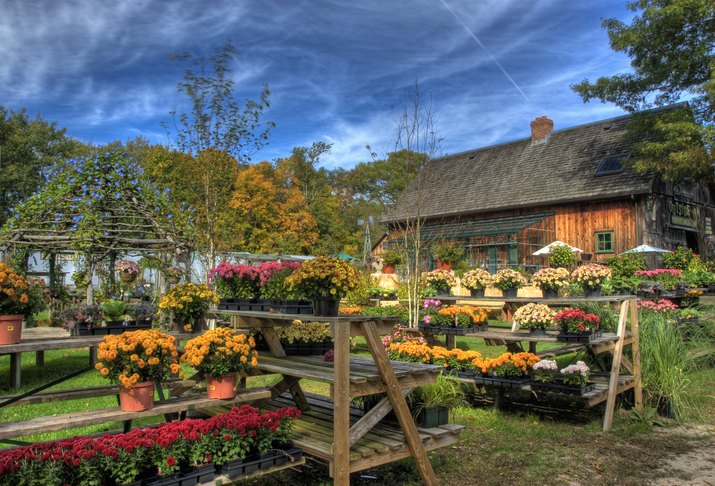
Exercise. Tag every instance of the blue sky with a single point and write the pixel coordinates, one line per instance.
(338, 70)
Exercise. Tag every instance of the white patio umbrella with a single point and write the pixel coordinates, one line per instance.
(547, 249)
(646, 249)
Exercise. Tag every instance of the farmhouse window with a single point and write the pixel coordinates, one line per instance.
(604, 242)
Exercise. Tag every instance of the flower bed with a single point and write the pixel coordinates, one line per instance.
(160, 452)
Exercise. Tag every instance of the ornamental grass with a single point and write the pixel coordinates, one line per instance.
(220, 351)
(136, 356)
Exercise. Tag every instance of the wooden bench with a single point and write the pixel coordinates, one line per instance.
(91, 417)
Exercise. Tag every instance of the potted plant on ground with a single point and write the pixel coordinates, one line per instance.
(128, 270)
(440, 280)
(390, 259)
(430, 404)
(577, 326)
(136, 360)
(447, 254)
(535, 317)
(19, 297)
(188, 302)
(217, 355)
(325, 280)
(590, 277)
(476, 281)
(508, 281)
(550, 280)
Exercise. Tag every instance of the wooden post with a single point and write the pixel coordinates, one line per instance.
(39, 359)
(450, 341)
(341, 400)
(394, 393)
(15, 370)
(615, 368)
(636, 351)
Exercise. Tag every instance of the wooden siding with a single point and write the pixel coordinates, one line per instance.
(577, 225)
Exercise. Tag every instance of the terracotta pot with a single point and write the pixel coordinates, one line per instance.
(137, 398)
(11, 328)
(444, 265)
(222, 387)
(388, 269)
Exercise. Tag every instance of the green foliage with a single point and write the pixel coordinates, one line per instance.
(216, 120)
(392, 257)
(360, 296)
(561, 256)
(29, 148)
(445, 392)
(679, 259)
(277, 288)
(86, 197)
(387, 310)
(114, 309)
(671, 47)
(609, 319)
(626, 265)
(648, 417)
(448, 252)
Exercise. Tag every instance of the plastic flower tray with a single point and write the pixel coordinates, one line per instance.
(579, 338)
(560, 387)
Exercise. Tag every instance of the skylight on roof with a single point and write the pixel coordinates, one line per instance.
(612, 164)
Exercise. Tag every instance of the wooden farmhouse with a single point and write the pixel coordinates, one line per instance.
(504, 202)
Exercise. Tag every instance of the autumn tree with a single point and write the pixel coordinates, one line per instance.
(271, 213)
(671, 44)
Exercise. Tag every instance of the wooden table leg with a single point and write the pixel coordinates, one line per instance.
(636, 347)
(274, 344)
(341, 401)
(394, 393)
(15, 370)
(451, 341)
(92, 356)
(39, 359)
(615, 369)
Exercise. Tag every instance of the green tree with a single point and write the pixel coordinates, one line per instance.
(216, 120)
(672, 49)
(29, 148)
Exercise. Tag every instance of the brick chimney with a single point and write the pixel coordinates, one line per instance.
(541, 129)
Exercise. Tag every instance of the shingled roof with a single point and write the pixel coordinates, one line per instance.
(521, 174)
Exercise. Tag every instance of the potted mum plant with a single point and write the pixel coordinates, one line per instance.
(390, 259)
(137, 360)
(509, 369)
(217, 355)
(535, 317)
(325, 280)
(572, 380)
(19, 297)
(508, 281)
(128, 270)
(448, 254)
(188, 302)
(275, 295)
(577, 326)
(476, 281)
(235, 283)
(440, 280)
(550, 280)
(590, 277)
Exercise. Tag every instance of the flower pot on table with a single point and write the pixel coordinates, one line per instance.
(476, 293)
(550, 293)
(430, 417)
(591, 292)
(11, 328)
(137, 398)
(509, 293)
(326, 306)
(221, 388)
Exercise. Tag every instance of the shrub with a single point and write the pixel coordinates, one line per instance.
(392, 257)
(448, 252)
(624, 266)
(561, 256)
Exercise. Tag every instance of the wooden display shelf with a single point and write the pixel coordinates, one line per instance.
(364, 376)
(385, 443)
(91, 417)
